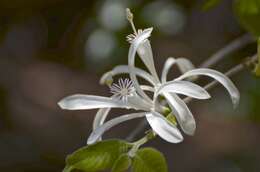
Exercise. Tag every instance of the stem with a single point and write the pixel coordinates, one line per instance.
(228, 49)
(130, 18)
(149, 136)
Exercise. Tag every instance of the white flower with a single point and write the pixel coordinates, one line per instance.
(130, 94)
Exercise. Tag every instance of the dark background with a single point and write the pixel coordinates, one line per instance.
(53, 48)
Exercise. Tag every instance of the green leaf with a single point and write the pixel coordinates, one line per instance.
(149, 160)
(209, 4)
(96, 157)
(122, 163)
(248, 14)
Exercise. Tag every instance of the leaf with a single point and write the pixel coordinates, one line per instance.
(96, 157)
(122, 163)
(149, 160)
(248, 14)
(209, 4)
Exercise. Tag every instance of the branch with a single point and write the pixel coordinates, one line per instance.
(228, 49)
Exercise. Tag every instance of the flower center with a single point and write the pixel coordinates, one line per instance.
(123, 89)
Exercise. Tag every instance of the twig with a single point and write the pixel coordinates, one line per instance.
(236, 69)
(228, 49)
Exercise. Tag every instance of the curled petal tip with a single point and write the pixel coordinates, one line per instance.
(107, 79)
(190, 128)
(235, 101)
(235, 97)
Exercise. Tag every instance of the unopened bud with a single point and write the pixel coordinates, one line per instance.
(129, 15)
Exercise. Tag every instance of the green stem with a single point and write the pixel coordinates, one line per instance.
(149, 136)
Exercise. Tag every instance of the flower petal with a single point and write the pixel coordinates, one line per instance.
(182, 113)
(80, 101)
(97, 133)
(100, 117)
(147, 88)
(131, 61)
(124, 69)
(145, 53)
(183, 64)
(184, 87)
(164, 128)
(223, 79)
(139, 103)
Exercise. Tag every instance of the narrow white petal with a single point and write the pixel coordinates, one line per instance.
(147, 88)
(183, 64)
(224, 80)
(124, 69)
(184, 87)
(97, 133)
(139, 103)
(106, 78)
(80, 101)
(182, 113)
(145, 53)
(164, 128)
(131, 61)
(100, 117)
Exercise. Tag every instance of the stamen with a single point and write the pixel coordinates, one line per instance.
(122, 90)
(130, 18)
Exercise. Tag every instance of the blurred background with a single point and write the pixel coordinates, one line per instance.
(53, 48)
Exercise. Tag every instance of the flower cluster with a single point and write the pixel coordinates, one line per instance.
(130, 94)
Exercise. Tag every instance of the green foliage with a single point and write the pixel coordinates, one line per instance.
(248, 14)
(149, 160)
(96, 157)
(113, 154)
(122, 163)
(209, 4)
